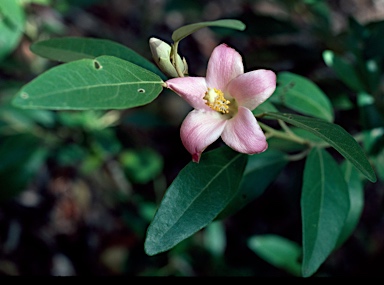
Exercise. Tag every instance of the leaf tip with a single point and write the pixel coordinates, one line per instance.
(20, 99)
(372, 177)
(150, 248)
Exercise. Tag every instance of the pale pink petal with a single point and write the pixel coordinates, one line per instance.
(191, 89)
(224, 65)
(252, 88)
(243, 134)
(200, 129)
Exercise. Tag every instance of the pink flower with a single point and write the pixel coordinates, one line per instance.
(222, 103)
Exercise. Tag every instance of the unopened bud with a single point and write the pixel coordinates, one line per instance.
(161, 53)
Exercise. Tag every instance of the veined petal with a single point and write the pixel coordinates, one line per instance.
(199, 129)
(243, 134)
(224, 65)
(252, 88)
(191, 89)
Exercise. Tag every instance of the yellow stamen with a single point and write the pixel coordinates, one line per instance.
(216, 101)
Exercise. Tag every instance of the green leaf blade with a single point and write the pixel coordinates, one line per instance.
(12, 21)
(345, 70)
(185, 31)
(278, 251)
(356, 200)
(69, 49)
(336, 136)
(300, 94)
(324, 208)
(104, 83)
(261, 170)
(190, 204)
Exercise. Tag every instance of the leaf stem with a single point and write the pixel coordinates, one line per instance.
(174, 59)
(283, 135)
(298, 156)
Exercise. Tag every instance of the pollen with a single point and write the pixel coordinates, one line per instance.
(216, 101)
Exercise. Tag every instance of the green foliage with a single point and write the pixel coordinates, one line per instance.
(278, 251)
(12, 21)
(261, 170)
(106, 82)
(324, 208)
(185, 31)
(99, 74)
(344, 70)
(21, 158)
(302, 95)
(71, 49)
(336, 136)
(190, 204)
(142, 165)
(356, 200)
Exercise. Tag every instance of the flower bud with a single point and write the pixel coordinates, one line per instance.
(161, 53)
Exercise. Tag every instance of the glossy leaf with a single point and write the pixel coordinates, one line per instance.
(278, 251)
(374, 46)
(103, 83)
(369, 115)
(196, 196)
(336, 136)
(214, 238)
(344, 70)
(261, 170)
(324, 208)
(267, 106)
(12, 21)
(71, 48)
(356, 200)
(21, 158)
(185, 31)
(302, 95)
(141, 165)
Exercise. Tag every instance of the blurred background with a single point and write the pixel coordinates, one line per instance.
(79, 189)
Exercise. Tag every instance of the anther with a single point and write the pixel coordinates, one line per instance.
(216, 101)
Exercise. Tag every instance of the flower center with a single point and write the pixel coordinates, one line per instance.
(216, 100)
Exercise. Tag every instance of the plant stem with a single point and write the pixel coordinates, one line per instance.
(283, 135)
(174, 59)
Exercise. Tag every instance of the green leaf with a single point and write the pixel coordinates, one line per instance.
(103, 83)
(278, 251)
(344, 70)
(185, 31)
(374, 46)
(302, 95)
(267, 106)
(369, 116)
(196, 196)
(71, 48)
(21, 157)
(324, 208)
(214, 238)
(13, 13)
(356, 200)
(261, 170)
(12, 21)
(336, 136)
(141, 165)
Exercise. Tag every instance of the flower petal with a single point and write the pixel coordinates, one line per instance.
(253, 88)
(199, 129)
(243, 134)
(224, 65)
(191, 89)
